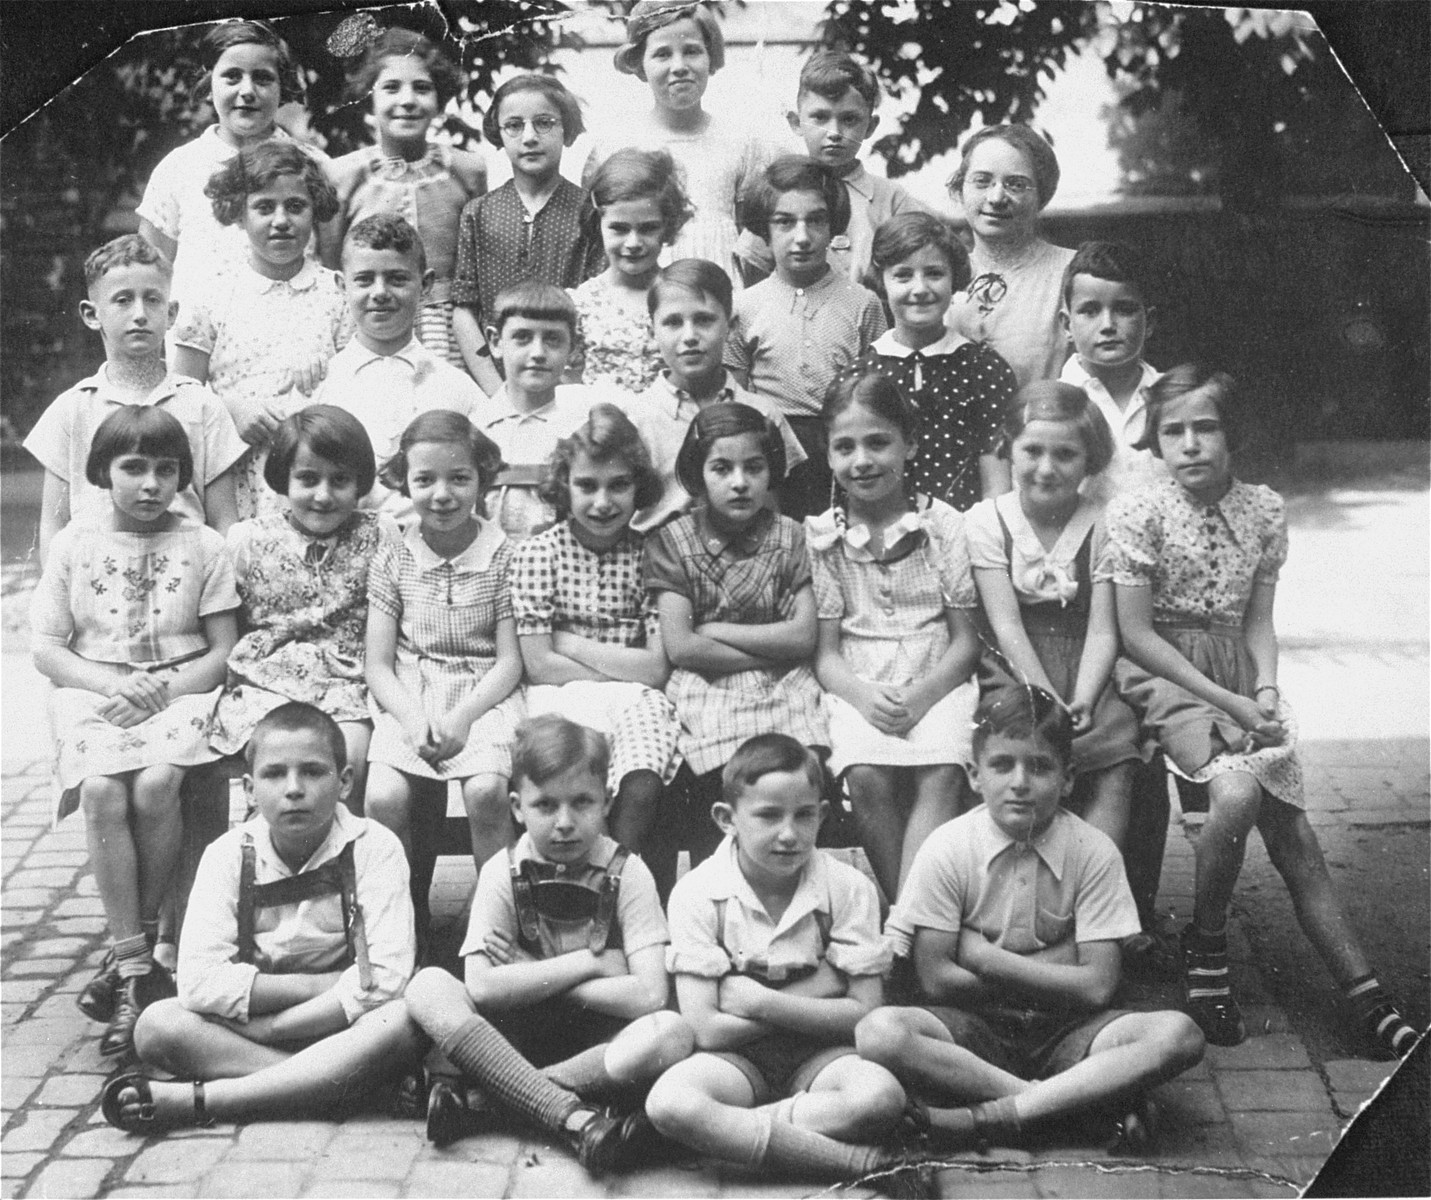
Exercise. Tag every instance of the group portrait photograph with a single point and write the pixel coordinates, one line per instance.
(715, 598)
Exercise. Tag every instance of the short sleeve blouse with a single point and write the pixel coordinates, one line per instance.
(613, 345)
(1039, 574)
(560, 585)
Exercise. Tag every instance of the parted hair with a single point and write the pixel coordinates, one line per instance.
(908, 233)
(649, 15)
(550, 745)
(572, 126)
(632, 174)
(387, 231)
(876, 392)
(226, 35)
(1114, 261)
(138, 429)
(832, 73)
(1023, 138)
(1024, 712)
(255, 168)
(442, 425)
(1182, 380)
(720, 421)
(696, 275)
(607, 435)
(329, 432)
(793, 173)
(766, 754)
(398, 42)
(1050, 400)
(124, 251)
(298, 717)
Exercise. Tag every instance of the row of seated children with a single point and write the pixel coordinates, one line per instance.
(736, 616)
(779, 1055)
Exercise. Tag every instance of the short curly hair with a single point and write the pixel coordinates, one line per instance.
(443, 425)
(226, 35)
(125, 251)
(1023, 138)
(607, 435)
(572, 126)
(1026, 713)
(387, 231)
(255, 168)
(399, 42)
(728, 419)
(793, 173)
(650, 15)
(908, 233)
(329, 432)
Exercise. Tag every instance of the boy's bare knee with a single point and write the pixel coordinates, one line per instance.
(675, 1108)
(668, 1040)
(428, 990)
(161, 1030)
(1181, 1040)
(884, 1037)
(876, 1097)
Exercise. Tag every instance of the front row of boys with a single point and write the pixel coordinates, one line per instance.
(299, 946)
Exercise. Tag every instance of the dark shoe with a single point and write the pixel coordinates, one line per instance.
(409, 1097)
(1207, 992)
(159, 984)
(96, 998)
(447, 1116)
(606, 1143)
(1137, 1132)
(118, 1039)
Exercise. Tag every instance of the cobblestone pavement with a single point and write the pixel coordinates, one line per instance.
(1255, 1120)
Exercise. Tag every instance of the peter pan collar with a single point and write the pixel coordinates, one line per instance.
(477, 556)
(889, 347)
(1047, 570)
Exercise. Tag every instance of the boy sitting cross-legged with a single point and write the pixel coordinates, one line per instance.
(293, 957)
(1016, 910)
(565, 963)
(776, 951)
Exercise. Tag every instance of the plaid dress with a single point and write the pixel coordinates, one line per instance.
(740, 578)
(447, 611)
(561, 586)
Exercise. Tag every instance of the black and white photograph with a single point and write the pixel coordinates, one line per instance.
(715, 598)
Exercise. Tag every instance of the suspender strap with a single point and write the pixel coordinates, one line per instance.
(1082, 564)
(353, 926)
(606, 903)
(246, 901)
(526, 903)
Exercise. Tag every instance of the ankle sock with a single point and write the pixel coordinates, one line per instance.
(952, 1129)
(1379, 1016)
(996, 1122)
(584, 1073)
(1205, 960)
(795, 1151)
(132, 957)
(490, 1060)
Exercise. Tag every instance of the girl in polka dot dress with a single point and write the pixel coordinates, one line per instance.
(590, 642)
(959, 388)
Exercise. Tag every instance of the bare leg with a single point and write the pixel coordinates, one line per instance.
(1294, 850)
(937, 799)
(488, 815)
(881, 820)
(356, 736)
(1110, 802)
(172, 1038)
(706, 1103)
(1233, 803)
(917, 1048)
(158, 834)
(637, 803)
(851, 1100)
(112, 854)
(648, 1046)
(388, 801)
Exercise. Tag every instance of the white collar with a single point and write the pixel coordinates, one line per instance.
(476, 557)
(886, 345)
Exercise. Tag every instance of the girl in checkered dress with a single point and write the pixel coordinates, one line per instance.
(732, 586)
(897, 645)
(590, 642)
(442, 657)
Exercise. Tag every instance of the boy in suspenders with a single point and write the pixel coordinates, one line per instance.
(295, 950)
(565, 990)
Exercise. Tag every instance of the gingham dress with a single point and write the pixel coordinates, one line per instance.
(559, 585)
(740, 579)
(447, 612)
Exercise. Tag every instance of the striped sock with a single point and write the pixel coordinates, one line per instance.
(1208, 984)
(1379, 1016)
(491, 1061)
(133, 957)
(795, 1151)
(584, 1073)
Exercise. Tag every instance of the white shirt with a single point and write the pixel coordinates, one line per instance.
(1130, 468)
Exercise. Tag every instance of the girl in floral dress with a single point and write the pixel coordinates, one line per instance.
(132, 621)
(410, 81)
(638, 207)
(897, 646)
(303, 584)
(1194, 562)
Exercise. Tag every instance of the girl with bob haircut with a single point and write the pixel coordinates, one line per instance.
(590, 641)
(262, 333)
(637, 208)
(1194, 563)
(794, 173)
(441, 655)
(959, 388)
(131, 623)
(551, 89)
(302, 579)
(407, 81)
(723, 421)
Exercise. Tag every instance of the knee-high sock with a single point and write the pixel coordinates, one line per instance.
(494, 1064)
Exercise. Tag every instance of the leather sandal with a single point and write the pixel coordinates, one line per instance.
(143, 1120)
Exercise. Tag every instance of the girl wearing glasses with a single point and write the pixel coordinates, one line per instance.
(530, 228)
(1006, 176)
(410, 81)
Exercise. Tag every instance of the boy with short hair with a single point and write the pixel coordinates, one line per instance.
(565, 962)
(776, 951)
(1107, 315)
(834, 115)
(532, 334)
(295, 950)
(690, 305)
(386, 377)
(127, 284)
(793, 334)
(1016, 910)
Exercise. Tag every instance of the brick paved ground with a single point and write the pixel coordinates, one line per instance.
(1255, 1120)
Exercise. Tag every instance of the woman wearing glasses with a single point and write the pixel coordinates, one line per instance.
(1005, 177)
